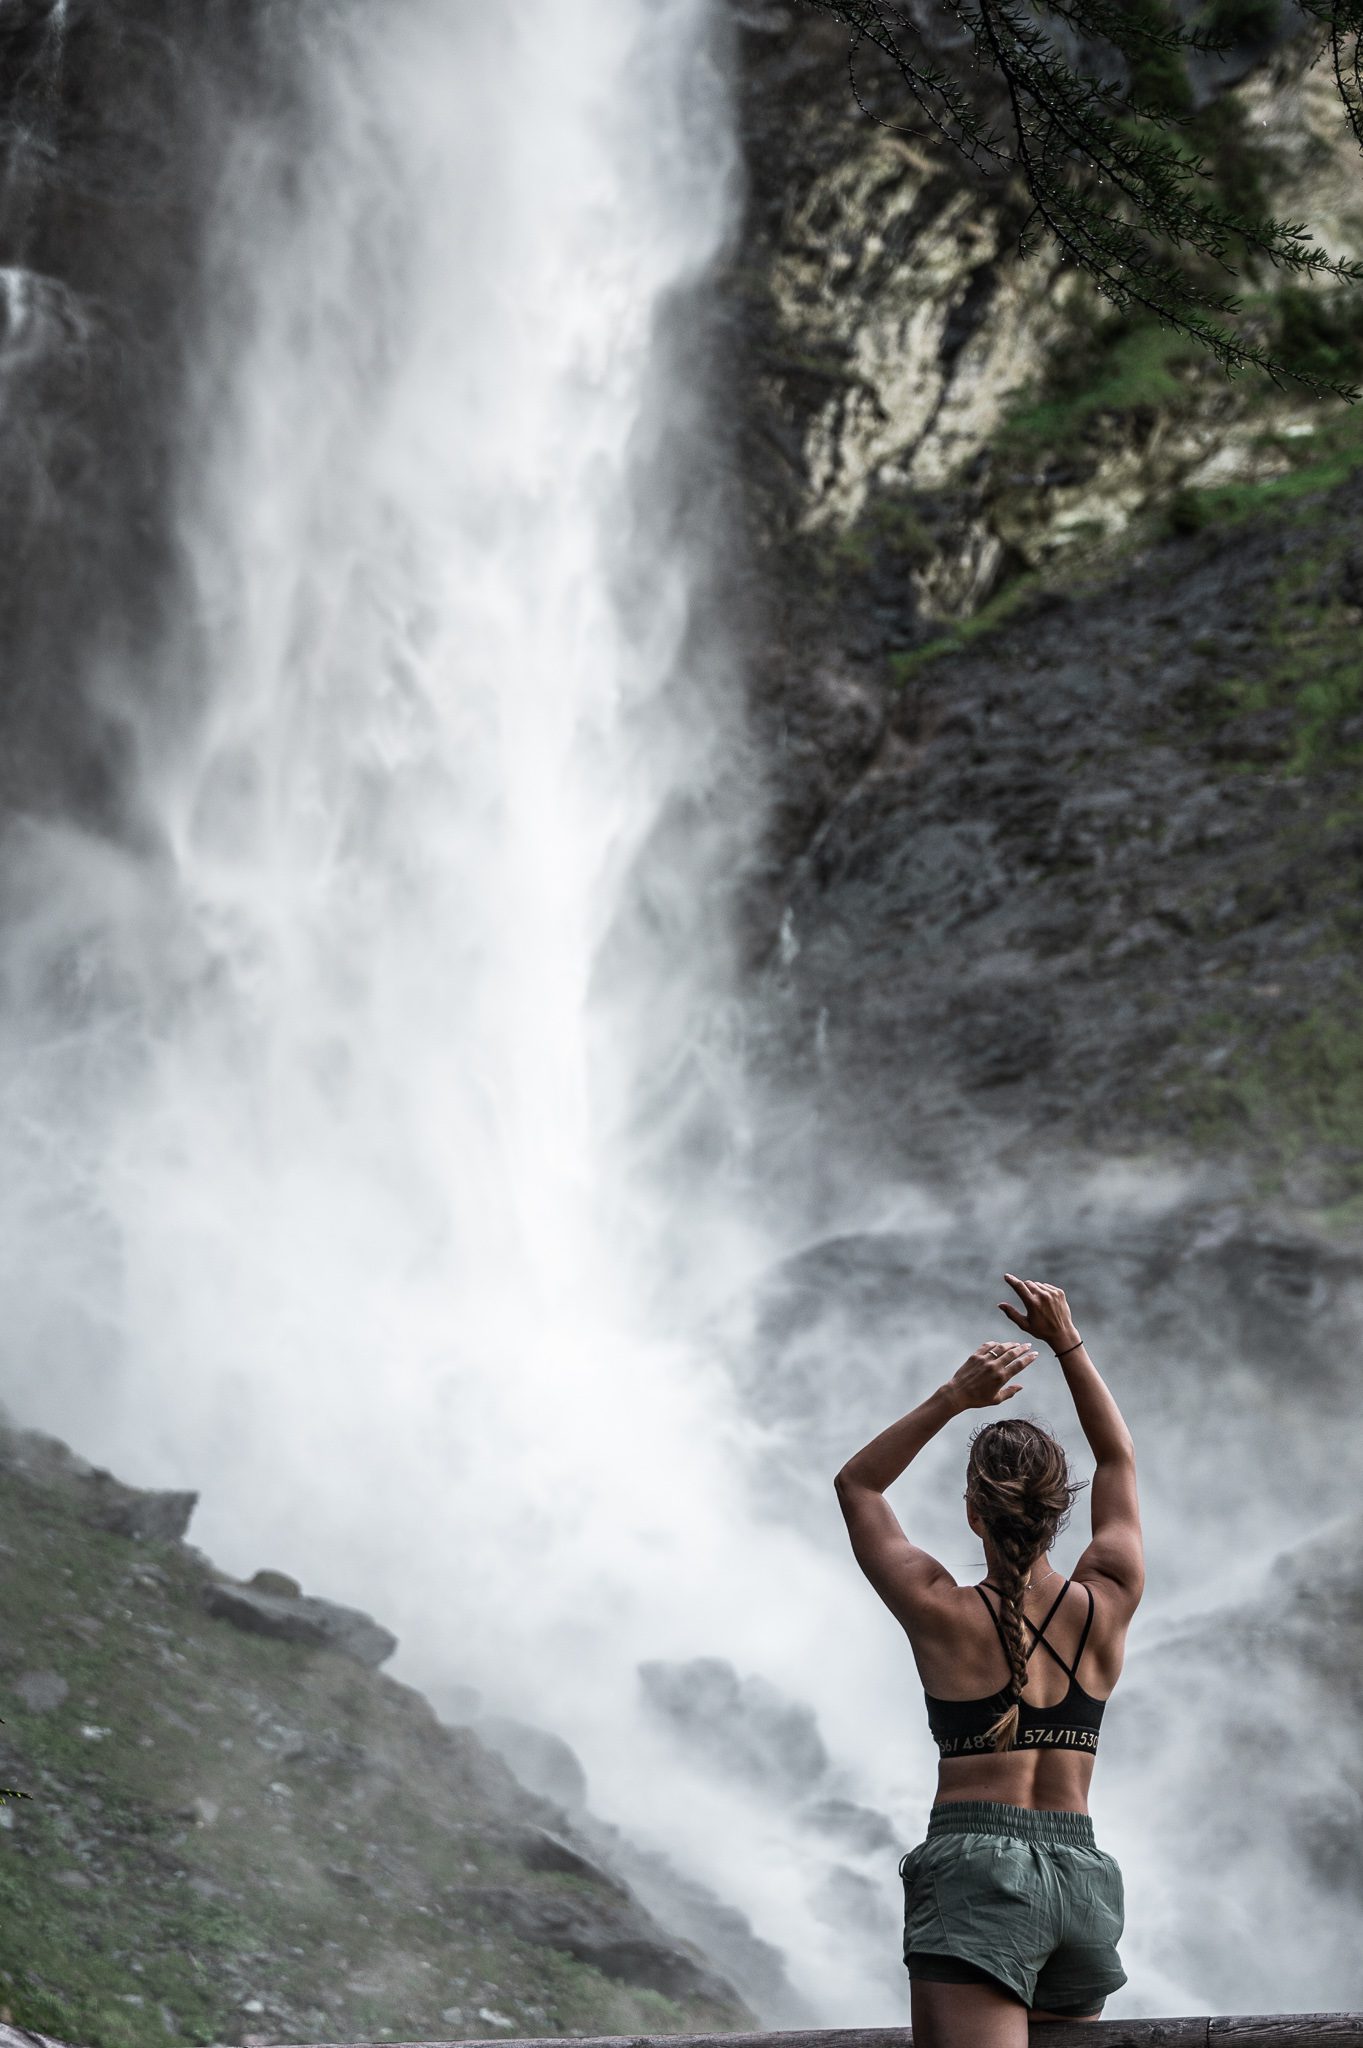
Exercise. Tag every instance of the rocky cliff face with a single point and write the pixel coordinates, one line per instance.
(1052, 636)
(1054, 631)
(236, 1827)
(1054, 639)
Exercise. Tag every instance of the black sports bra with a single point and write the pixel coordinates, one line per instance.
(960, 1727)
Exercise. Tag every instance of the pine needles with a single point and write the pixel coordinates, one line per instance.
(1086, 103)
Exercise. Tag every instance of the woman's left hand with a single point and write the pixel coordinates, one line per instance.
(982, 1382)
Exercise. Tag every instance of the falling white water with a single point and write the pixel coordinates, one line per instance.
(340, 1096)
(372, 1132)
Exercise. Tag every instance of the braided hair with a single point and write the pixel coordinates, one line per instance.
(1018, 1484)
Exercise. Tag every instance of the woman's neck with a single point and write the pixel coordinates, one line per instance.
(1041, 1573)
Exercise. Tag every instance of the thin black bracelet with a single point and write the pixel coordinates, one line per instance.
(1070, 1347)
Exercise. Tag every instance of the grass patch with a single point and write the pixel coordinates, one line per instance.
(905, 663)
(418, 1817)
(1311, 687)
(1191, 511)
(1286, 1093)
(1125, 364)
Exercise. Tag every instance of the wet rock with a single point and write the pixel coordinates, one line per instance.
(321, 1624)
(747, 1726)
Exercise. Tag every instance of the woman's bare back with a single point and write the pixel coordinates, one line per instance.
(959, 1657)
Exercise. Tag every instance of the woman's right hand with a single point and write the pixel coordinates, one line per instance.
(1047, 1312)
(982, 1382)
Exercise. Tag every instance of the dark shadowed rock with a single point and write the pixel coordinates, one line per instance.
(616, 1938)
(304, 1619)
(542, 1849)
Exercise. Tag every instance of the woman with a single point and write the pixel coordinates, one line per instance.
(1011, 1913)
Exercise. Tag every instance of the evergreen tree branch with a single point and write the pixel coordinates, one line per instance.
(1100, 160)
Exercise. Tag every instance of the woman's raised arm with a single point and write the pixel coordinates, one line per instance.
(1117, 1551)
(909, 1579)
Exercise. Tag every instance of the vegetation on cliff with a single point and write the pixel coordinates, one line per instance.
(230, 1834)
(1090, 109)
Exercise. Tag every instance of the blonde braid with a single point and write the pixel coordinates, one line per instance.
(1018, 1483)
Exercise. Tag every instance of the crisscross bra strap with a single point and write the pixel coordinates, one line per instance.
(1040, 1633)
(994, 1617)
(1083, 1636)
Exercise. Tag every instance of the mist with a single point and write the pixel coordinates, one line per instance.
(384, 1152)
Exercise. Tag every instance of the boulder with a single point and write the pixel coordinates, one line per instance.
(266, 1581)
(321, 1624)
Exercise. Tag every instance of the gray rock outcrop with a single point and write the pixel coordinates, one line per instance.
(617, 1937)
(301, 1618)
(100, 1500)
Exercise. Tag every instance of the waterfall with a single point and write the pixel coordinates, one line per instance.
(369, 1091)
(371, 1058)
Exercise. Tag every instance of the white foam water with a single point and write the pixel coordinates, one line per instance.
(358, 1099)
(372, 1118)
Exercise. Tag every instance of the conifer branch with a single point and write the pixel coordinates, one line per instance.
(1105, 169)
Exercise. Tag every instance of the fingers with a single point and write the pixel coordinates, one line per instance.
(1013, 1314)
(1033, 1291)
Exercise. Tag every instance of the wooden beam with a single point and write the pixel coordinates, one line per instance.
(1259, 2030)
(1236, 2030)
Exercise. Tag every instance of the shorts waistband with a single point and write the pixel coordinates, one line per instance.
(1025, 1823)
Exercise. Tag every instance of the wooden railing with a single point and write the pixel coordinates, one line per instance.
(1236, 2030)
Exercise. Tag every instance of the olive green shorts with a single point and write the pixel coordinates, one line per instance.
(1020, 1899)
